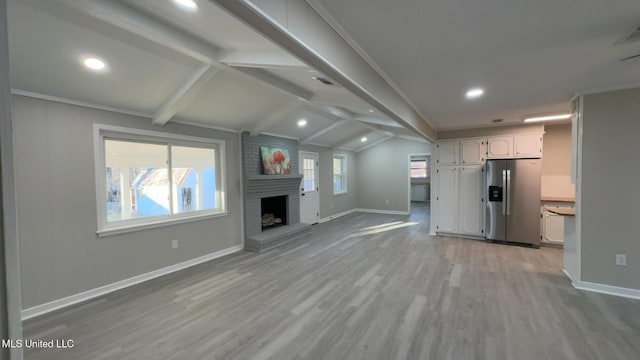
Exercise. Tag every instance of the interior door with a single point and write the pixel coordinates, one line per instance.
(309, 189)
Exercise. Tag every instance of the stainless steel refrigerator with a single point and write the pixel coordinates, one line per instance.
(513, 201)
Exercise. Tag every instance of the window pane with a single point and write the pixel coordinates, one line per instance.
(193, 178)
(137, 179)
(337, 165)
(337, 183)
(418, 168)
(308, 173)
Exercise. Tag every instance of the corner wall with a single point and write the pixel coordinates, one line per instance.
(383, 174)
(60, 253)
(610, 191)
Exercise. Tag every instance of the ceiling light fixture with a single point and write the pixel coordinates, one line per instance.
(547, 118)
(187, 4)
(94, 63)
(474, 93)
(370, 110)
(302, 122)
(364, 139)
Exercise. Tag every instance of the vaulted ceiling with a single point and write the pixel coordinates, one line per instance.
(207, 68)
(167, 63)
(529, 56)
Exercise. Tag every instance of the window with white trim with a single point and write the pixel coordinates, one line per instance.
(419, 169)
(339, 174)
(149, 178)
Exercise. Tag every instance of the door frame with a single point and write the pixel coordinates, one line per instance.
(409, 179)
(317, 155)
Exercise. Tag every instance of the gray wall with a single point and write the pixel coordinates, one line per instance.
(333, 204)
(60, 252)
(610, 194)
(383, 173)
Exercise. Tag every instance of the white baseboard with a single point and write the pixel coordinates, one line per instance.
(103, 290)
(335, 216)
(378, 211)
(607, 289)
(568, 275)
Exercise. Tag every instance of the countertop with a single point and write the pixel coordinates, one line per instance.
(558, 199)
(562, 211)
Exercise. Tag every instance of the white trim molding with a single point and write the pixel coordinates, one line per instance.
(607, 289)
(380, 211)
(335, 216)
(109, 288)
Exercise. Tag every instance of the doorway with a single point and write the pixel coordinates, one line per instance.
(309, 189)
(419, 182)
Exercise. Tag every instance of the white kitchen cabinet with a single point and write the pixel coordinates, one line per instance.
(527, 146)
(447, 199)
(470, 205)
(500, 147)
(472, 151)
(448, 152)
(553, 225)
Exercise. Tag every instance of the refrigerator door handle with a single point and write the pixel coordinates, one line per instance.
(508, 192)
(504, 186)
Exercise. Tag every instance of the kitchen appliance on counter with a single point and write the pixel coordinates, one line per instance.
(513, 201)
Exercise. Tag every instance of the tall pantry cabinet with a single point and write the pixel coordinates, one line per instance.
(460, 170)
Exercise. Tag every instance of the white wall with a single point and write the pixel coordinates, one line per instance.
(61, 254)
(383, 174)
(331, 204)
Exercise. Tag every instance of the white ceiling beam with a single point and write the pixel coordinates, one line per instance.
(334, 125)
(184, 94)
(353, 138)
(277, 82)
(274, 118)
(378, 121)
(413, 138)
(264, 58)
(139, 23)
(367, 146)
(321, 46)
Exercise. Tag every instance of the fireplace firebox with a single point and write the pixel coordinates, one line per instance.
(273, 211)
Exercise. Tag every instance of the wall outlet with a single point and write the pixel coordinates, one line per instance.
(174, 244)
(621, 259)
(387, 201)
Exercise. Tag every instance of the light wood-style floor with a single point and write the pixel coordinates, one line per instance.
(365, 286)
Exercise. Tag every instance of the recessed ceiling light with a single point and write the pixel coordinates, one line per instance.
(94, 63)
(548, 118)
(302, 122)
(474, 93)
(187, 4)
(364, 139)
(370, 110)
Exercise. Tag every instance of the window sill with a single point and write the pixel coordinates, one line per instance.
(156, 224)
(339, 193)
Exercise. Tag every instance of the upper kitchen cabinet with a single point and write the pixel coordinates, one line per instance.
(527, 146)
(500, 147)
(448, 152)
(472, 151)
